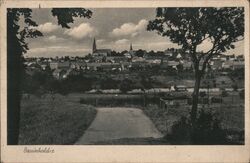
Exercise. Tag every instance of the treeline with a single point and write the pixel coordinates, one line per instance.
(41, 82)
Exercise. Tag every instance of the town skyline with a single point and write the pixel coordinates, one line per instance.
(112, 30)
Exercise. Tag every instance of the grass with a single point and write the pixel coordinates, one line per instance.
(230, 113)
(56, 122)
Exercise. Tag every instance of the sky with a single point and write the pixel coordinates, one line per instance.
(113, 28)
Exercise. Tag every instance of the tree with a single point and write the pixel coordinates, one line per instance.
(126, 85)
(191, 27)
(139, 53)
(16, 47)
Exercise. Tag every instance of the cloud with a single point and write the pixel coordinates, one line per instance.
(100, 41)
(122, 41)
(205, 45)
(53, 51)
(54, 38)
(47, 27)
(67, 49)
(81, 31)
(130, 29)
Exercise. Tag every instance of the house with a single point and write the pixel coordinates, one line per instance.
(178, 56)
(168, 53)
(227, 64)
(53, 65)
(238, 65)
(110, 66)
(58, 73)
(153, 61)
(216, 64)
(78, 65)
(64, 65)
(70, 72)
(43, 66)
(116, 59)
(138, 59)
(172, 64)
(179, 88)
(187, 65)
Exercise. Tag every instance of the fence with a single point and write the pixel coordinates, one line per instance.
(120, 100)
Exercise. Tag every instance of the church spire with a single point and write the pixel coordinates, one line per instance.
(94, 46)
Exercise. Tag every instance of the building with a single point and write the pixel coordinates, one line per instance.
(187, 65)
(131, 51)
(216, 64)
(58, 73)
(59, 65)
(100, 52)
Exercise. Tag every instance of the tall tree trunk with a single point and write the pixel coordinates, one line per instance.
(14, 72)
(195, 97)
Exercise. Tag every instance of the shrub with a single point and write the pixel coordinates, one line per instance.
(207, 130)
(235, 87)
(242, 94)
(177, 104)
(204, 100)
(203, 94)
(216, 100)
(126, 85)
(224, 93)
(180, 132)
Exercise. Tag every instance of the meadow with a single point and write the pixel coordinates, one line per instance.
(54, 120)
(230, 113)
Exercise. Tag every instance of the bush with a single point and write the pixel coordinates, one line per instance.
(242, 94)
(235, 86)
(180, 132)
(207, 130)
(203, 94)
(216, 100)
(126, 85)
(224, 93)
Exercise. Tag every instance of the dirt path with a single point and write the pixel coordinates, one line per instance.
(117, 123)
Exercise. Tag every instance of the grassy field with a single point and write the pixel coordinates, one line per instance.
(60, 121)
(230, 112)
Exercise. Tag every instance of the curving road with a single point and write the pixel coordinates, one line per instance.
(119, 122)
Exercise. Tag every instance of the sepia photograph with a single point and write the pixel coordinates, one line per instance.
(111, 76)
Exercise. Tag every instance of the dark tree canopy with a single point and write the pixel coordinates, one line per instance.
(66, 15)
(190, 27)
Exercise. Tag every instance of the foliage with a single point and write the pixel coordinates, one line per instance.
(109, 83)
(140, 53)
(146, 82)
(207, 130)
(191, 27)
(66, 15)
(125, 85)
(224, 93)
(237, 73)
(235, 86)
(242, 94)
(16, 47)
(216, 100)
(203, 94)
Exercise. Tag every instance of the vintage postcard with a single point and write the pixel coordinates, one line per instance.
(124, 81)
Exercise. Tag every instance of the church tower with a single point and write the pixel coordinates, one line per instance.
(94, 46)
(131, 48)
(131, 51)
